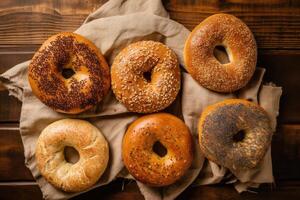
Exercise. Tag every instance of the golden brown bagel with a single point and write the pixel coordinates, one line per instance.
(144, 163)
(235, 133)
(230, 32)
(130, 85)
(84, 89)
(86, 139)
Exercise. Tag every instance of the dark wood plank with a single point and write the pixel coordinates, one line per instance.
(283, 69)
(275, 23)
(30, 190)
(20, 191)
(120, 189)
(283, 190)
(37, 20)
(10, 58)
(10, 108)
(24, 25)
(285, 154)
(12, 165)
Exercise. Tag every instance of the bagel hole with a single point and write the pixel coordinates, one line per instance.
(147, 76)
(221, 54)
(71, 154)
(249, 99)
(159, 149)
(239, 136)
(67, 73)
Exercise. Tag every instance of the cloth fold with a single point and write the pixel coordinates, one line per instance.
(195, 98)
(112, 27)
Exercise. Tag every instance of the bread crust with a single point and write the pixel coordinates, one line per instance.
(86, 139)
(130, 86)
(147, 166)
(80, 92)
(228, 31)
(220, 122)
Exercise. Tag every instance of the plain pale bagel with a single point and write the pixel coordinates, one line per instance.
(90, 144)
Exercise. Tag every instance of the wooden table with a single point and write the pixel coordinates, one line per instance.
(24, 25)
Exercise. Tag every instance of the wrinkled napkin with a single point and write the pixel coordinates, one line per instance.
(113, 26)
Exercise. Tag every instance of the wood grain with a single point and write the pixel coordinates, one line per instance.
(24, 25)
(283, 190)
(285, 154)
(283, 69)
(29, 190)
(12, 167)
(20, 20)
(37, 20)
(275, 23)
(10, 107)
(20, 191)
(128, 190)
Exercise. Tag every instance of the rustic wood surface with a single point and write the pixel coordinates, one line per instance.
(24, 25)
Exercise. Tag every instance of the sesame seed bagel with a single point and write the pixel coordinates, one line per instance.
(231, 33)
(130, 84)
(235, 133)
(84, 89)
(146, 163)
(86, 139)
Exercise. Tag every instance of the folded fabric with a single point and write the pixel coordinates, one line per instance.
(112, 27)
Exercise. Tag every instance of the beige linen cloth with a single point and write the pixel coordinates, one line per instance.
(113, 26)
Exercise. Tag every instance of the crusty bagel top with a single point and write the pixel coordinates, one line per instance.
(228, 31)
(84, 89)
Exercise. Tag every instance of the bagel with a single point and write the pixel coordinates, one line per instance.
(146, 77)
(86, 84)
(157, 149)
(237, 39)
(235, 133)
(86, 139)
